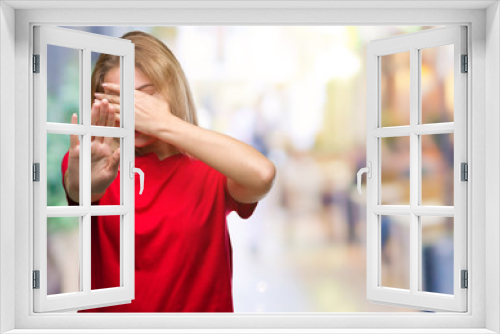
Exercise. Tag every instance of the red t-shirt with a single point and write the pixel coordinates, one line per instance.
(183, 255)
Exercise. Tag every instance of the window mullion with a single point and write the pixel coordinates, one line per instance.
(435, 211)
(80, 211)
(434, 128)
(86, 253)
(105, 131)
(84, 282)
(85, 179)
(414, 169)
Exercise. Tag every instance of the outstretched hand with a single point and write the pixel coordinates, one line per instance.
(105, 157)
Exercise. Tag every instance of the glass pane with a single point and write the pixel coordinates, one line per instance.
(63, 255)
(105, 69)
(437, 169)
(395, 89)
(437, 86)
(105, 252)
(395, 251)
(437, 254)
(105, 171)
(63, 83)
(395, 170)
(57, 147)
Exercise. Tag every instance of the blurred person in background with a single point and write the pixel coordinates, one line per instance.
(194, 178)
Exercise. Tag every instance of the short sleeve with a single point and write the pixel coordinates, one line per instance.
(244, 210)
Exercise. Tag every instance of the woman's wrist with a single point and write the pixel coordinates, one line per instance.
(72, 193)
(169, 130)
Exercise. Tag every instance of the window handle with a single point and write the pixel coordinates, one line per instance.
(141, 175)
(368, 171)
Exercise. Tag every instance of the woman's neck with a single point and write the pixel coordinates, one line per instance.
(162, 150)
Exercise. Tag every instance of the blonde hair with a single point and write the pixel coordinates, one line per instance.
(160, 66)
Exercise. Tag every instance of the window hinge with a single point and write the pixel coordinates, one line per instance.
(465, 279)
(36, 172)
(464, 171)
(465, 64)
(36, 279)
(36, 63)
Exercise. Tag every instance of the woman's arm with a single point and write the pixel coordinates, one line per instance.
(250, 175)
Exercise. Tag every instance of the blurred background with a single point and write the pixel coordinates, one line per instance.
(298, 95)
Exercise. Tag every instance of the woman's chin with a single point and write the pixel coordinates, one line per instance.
(142, 141)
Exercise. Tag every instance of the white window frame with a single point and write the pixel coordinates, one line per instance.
(84, 43)
(483, 21)
(413, 296)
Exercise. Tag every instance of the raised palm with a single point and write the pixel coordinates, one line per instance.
(105, 155)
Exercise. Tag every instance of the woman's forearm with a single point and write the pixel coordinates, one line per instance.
(250, 174)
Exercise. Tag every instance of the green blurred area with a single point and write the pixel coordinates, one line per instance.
(62, 224)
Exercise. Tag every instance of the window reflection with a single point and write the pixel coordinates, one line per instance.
(395, 170)
(437, 86)
(395, 89)
(63, 255)
(437, 254)
(437, 169)
(395, 251)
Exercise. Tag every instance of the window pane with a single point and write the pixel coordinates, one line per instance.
(437, 254)
(395, 251)
(63, 83)
(105, 252)
(395, 170)
(437, 84)
(100, 63)
(105, 169)
(395, 89)
(437, 169)
(63, 255)
(57, 147)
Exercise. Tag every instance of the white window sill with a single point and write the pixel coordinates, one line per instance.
(248, 331)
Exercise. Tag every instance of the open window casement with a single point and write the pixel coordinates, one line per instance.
(52, 131)
(416, 170)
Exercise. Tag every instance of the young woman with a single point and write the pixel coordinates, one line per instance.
(193, 179)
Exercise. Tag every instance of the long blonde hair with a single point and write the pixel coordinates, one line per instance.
(160, 65)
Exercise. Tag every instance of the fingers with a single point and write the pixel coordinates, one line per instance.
(114, 161)
(73, 139)
(104, 113)
(110, 121)
(103, 117)
(116, 107)
(99, 116)
(111, 98)
(111, 87)
(111, 116)
(74, 118)
(94, 115)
